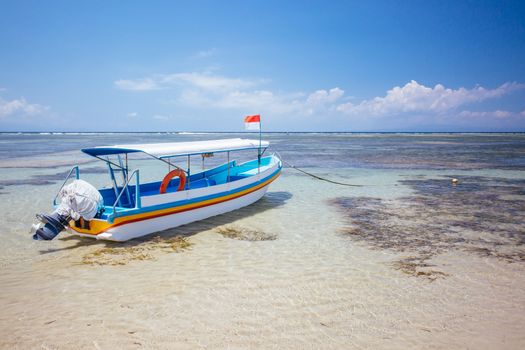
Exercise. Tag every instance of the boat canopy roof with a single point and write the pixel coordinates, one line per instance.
(175, 149)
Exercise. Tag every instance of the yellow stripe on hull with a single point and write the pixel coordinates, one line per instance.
(98, 226)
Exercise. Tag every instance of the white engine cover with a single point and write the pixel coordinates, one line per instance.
(79, 199)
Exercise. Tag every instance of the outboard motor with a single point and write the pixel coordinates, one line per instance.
(78, 200)
(52, 225)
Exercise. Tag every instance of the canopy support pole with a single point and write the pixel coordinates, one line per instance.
(168, 162)
(125, 179)
(108, 161)
(189, 172)
(115, 185)
(228, 179)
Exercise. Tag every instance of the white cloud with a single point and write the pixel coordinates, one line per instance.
(205, 53)
(20, 107)
(145, 84)
(323, 96)
(207, 81)
(132, 114)
(161, 117)
(486, 114)
(414, 97)
(202, 90)
(198, 80)
(322, 100)
(247, 99)
(258, 101)
(413, 100)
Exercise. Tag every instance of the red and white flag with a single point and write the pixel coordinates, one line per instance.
(252, 122)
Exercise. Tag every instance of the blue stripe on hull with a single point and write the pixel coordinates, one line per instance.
(190, 201)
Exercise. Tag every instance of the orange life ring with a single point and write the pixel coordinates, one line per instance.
(171, 175)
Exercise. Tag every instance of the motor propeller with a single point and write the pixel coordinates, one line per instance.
(51, 225)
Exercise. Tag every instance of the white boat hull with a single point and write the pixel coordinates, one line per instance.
(141, 228)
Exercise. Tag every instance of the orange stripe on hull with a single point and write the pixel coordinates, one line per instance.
(99, 226)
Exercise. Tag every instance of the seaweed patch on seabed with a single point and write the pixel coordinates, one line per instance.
(47, 179)
(480, 215)
(123, 253)
(244, 234)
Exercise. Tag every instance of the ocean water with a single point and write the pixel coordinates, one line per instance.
(404, 259)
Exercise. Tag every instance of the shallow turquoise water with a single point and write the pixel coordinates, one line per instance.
(32, 166)
(368, 266)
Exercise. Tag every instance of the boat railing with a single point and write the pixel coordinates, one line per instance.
(134, 174)
(77, 176)
(279, 157)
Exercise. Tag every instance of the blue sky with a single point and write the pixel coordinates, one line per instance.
(303, 65)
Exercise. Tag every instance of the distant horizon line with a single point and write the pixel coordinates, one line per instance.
(256, 132)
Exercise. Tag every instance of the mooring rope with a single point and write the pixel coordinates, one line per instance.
(318, 177)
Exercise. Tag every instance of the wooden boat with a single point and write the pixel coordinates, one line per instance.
(130, 209)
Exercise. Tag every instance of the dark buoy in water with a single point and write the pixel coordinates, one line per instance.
(53, 225)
